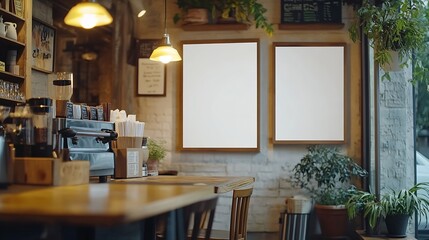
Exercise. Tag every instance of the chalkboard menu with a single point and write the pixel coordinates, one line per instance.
(311, 11)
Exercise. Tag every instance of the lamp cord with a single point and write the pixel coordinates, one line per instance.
(165, 16)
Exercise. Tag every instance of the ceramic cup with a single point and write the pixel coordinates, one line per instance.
(11, 30)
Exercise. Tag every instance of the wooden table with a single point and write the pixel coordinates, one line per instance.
(97, 204)
(221, 184)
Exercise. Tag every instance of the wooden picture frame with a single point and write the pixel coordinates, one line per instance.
(43, 46)
(151, 80)
(219, 96)
(309, 93)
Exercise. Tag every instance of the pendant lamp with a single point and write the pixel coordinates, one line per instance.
(88, 14)
(165, 53)
(137, 8)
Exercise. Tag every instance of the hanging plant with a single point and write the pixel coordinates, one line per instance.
(399, 26)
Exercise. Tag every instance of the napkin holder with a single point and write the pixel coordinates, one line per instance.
(128, 157)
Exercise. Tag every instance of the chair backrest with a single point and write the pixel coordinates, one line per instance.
(239, 211)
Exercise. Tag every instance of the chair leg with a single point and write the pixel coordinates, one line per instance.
(180, 227)
(148, 227)
(210, 225)
(170, 229)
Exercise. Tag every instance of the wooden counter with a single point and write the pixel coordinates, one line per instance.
(97, 204)
(221, 184)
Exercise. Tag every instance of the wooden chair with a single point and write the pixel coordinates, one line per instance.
(238, 223)
(179, 221)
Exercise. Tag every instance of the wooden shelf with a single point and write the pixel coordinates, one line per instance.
(24, 36)
(310, 26)
(10, 102)
(11, 77)
(10, 17)
(11, 43)
(216, 27)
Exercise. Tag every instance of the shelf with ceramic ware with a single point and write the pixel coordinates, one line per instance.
(15, 37)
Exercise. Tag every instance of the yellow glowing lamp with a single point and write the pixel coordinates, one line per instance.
(88, 15)
(165, 53)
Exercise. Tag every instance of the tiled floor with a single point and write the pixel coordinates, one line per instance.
(262, 236)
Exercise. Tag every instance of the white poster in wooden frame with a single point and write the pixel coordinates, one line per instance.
(309, 81)
(220, 96)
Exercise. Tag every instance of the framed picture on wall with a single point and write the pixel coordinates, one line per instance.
(309, 93)
(151, 79)
(219, 96)
(43, 46)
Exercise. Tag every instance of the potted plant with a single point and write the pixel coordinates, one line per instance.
(368, 204)
(327, 174)
(396, 207)
(399, 206)
(394, 28)
(157, 153)
(195, 11)
(245, 11)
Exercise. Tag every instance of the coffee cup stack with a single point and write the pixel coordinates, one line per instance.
(11, 62)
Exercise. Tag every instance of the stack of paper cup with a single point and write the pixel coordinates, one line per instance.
(11, 60)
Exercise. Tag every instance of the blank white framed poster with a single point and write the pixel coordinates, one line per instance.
(309, 82)
(220, 96)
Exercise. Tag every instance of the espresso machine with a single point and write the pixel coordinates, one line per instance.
(81, 139)
(78, 139)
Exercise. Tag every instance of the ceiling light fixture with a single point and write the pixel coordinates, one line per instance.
(137, 8)
(88, 14)
(165, 53)
(89, 56)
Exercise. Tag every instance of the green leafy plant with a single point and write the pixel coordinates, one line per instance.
(398, 25)
(157, 149)
(326, 174)
(246, 11)
(407, 201)
(402, 202)
(368, 203)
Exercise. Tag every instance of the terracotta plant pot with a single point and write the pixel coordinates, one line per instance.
(197, 16)
(333, 220)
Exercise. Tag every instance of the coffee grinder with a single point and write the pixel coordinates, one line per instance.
(62, 92)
